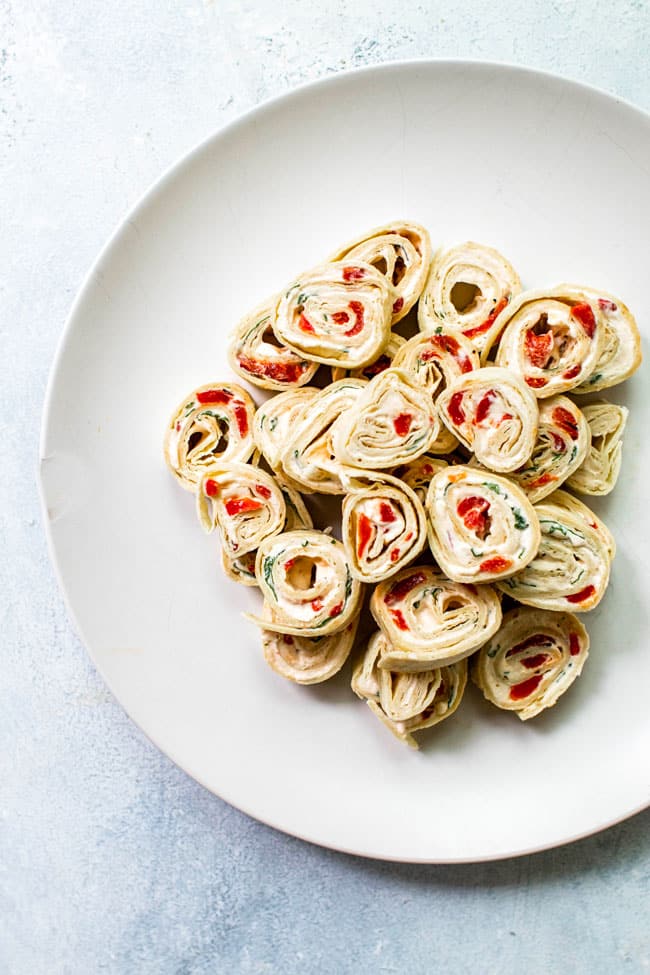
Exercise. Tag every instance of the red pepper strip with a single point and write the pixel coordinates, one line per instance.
(357, 310)
(211, 488)
(240, 506)
(566, 421)
(541, 480)
(606, 304)
(474, 512)
(580, 597)
(536, 382)
(282, 372)
(538, 348)
(403, 588)
(398, 618)
(386, 513)
(537, 640)
(353, 273)
(394, 555)
(317, 605)
(584, 314)
(455, 409)
(263, 491)
(383, 362)
(340, 317)
(364, 534)
(336, 610)
(572, 372)
(495, 564)
(242, 418)
(214, 396)
(402, 424)
(398, 305)
(489, 321)
(532, 663)
(483, 407)
(305, 325)
(526, 687)
(574, 644)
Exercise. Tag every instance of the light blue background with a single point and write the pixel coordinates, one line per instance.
(111, 859)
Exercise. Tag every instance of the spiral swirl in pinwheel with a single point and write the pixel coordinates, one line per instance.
(274, 420)
(308, 457)
(256, 355)
(407, 703)
(429, 620)
(531, 661)
(402, 253)
(338, 314)
(393, 422)
(385, 361)
(621, 354)
(562, 443)
(481, 526)
(551, 338)
(598, 473)
(308, 660)
(435, 362)
(245, 503)
(417, 473)
(493, 414)
(567, 501)
(384, 526)
(467, 288)
(307, 584)
(571, 568)
(213, 424)
(242, 569)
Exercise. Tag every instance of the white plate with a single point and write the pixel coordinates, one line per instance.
(554, 174)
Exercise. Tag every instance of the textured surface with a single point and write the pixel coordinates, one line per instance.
(111, 859)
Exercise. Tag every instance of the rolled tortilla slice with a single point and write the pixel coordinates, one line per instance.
(393, 422)
(552, 338)
(563, 439)
(565, 500)
(482, 527)
(384, 361)
(308, 660)
(244, 502)
(384, 526)
(242, 569)
(531, 661)
(407, 703)
(430, 620)
(621, 353)
(308, 456)
(256, 355)
(571, 569)
(436, 361)
(493, 414)
(338, 314)
(468, 287)
(212, 425)
(417, 473)
(401, 251)
(598, 473)
(307, 584)
(275, 419)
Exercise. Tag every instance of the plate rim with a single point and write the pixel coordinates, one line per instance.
(145, 199)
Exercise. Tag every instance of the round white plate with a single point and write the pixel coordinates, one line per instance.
(554, 174)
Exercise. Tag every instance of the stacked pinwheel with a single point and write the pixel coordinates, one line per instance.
(434, 397)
